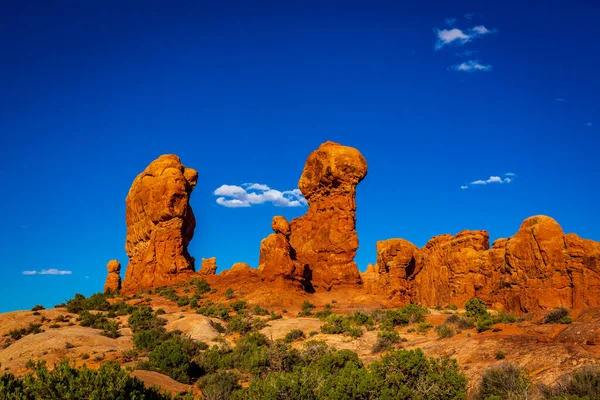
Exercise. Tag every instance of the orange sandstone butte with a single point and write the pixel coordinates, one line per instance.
(160, 224)
(113, 279)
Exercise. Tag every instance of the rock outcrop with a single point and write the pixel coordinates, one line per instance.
(113, 279)
(538, 268)
(160, 224)
(209, 267)
(276, 262)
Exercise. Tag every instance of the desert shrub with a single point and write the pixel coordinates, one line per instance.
(170, 359)
(425, 326)
(67, 382)
(444, 331)
(385, 341)
(555, 316)
(219, 386)
(202, 286)
(505, 381)
(215, 359)
(183, 301)
(69, 345)
(273, 316)
(335, 324)
(143, 319)
(324, 313)
(160, 311)
(240, 324)
(388, 319)
(363, 319)
(293, 335)
(452, 307)
(37, 308)
(583, 383)
(54, 326)
(504, 318)
(484, 324)
(306, 310)
(148, 340)
(499, 355)
(32, 329)
(229, 294)
(239, 306)
(476, 308)
(461, 323)
(258, 310)
(219, 327)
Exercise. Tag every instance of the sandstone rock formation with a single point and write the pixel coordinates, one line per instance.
(276, 262)
(538, 268)
(321, 245)
(209, 266)
(160, 224)
(113, 279)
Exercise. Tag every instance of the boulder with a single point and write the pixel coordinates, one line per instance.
(113, 279)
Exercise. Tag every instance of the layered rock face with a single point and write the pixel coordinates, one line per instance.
(113, 279)
(318, 248)
(538, 268)
(209, 266)
(160, 224)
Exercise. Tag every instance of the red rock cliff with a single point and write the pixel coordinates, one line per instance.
(160, 224)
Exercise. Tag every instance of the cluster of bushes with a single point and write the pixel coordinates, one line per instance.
(67, 382)
(509, 381)
(558, 316)
(483, 320)
(386, 340)
(32, 329)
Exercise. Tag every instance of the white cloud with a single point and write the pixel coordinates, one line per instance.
(492, 179)
(471, 66)
(51, 271)
(589, 124)
(459, 37)
(480, 30)
(54, 271)
(234, 196)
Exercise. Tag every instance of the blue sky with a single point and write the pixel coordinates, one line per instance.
(436, 96)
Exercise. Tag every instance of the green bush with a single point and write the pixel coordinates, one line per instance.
(239, 306)
(476, 308)
(484, 324)
(32, 329)
(170, 359)
(583, 384)
(219, 386)
(240, 324)
(143, 319)
(504, 318)
(294, 335)
(258, 310)
(555, 316)
(202, 286)
(322, 314)
(566, 320)
(183, 301)
(444, 331)
(307, 308)
(385, 341)
(425, 326)
(500, 355)
(67, 382)
(452, 307)
(37, 308)
(461, 323)
(505, 381)
(229, 294)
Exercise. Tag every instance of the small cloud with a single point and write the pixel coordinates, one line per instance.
(471, 66)
(589, 124)
(509, 177)
(459, 37)
(560, 99)
(51, 271)
(54, 271)
(450, 21)
(87, 277)
(234, 196)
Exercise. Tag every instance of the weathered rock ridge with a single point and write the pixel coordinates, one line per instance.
(538, 268)
(160, 224)
(318, 249)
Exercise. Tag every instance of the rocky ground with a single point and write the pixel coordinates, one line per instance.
(547, 351)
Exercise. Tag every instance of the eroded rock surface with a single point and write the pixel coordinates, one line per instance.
(538, 268)
(160, 224)
(113, 279)
(209, 266)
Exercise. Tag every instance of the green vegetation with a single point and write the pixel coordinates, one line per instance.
(484, 324)
(229, 294)
(306, 309)
(505, 381)
(582, 384)
(476, 308)
(37, 308)
(461, 323)
(444, 331)
(500, 355)
(67, 382)
(424, 327)
(558, 316)
(239, 306)
(294, 335)
(32, 329)
(385, 341)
